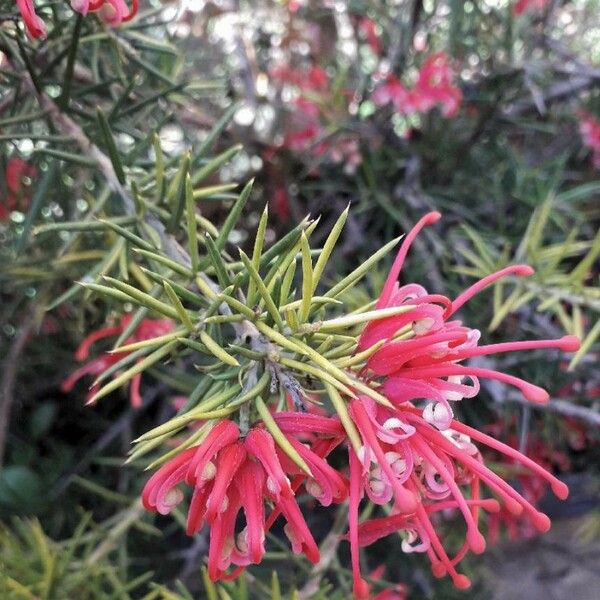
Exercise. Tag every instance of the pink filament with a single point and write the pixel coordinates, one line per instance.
(567, 343)
(519, 270)
(531, 392)
(392, 278)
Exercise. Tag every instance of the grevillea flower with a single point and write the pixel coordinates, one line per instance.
(306, 132)
(368, 30)
(433, 87)
(420, 459)
(16, 196)
(34, 24)
(232, 474)
(523, 6)
(589, 129)
(147, 329)
(112, 12)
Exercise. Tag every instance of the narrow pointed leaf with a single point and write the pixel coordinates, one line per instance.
(176, 302)
(233, 216)
(142, 298)
(138, 368)
(279, 437)
(262, 291)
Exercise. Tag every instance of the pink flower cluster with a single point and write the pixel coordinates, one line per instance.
(420, 459)
(112, 12)
(230, 473)
(147, 329)
(411, 456)
(307, 132)
(16, 196)
(589, 129)
(433, 87)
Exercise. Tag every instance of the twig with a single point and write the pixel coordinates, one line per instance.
(562, 407)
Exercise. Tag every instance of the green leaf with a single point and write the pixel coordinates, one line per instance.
(279, 437)
(111, 147)
(178, 196)
(217, 351)
(214, 164)
(138, 368)
(191, 224)
(164, 260)
(217, 262)
(128, 235)
(362, 318)
(257, 253)
(142, 298)
(262, 291)
(344, 415)
(361, 271)
(159, 168)
(183, 315)
(234, 215)
(307, 279)
(328, 247)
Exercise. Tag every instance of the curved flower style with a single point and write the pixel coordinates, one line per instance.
(421, 459)
(147, 329)
(112, 12)
(230, 473)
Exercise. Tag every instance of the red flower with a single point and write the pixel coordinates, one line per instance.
(433, 87)
(281, 202)
(589, 129)
(230, 474)
(147, 329)
(34, 25)
(419, 458)
(522, 6)
(306, 133)
(16, 197)
(393, 92)
(368, 29)
(113, 12)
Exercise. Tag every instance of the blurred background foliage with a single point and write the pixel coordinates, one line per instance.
(284, 92)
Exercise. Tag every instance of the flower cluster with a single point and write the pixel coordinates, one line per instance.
(589, 129)
(308, 129)
(420, 459)
(433, 87)
(16, 197)
(112, 12)
(147, 329)
(406, 451)
(230, 473)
